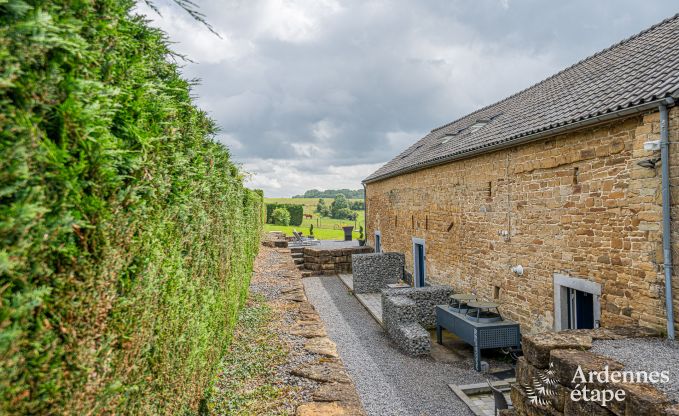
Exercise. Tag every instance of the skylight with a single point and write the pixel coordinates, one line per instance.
(478, 125)
(445, 139)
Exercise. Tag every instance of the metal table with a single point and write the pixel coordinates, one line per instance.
(480, 335)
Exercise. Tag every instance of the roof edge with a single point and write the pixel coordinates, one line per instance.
(587, 58)
(509, 142)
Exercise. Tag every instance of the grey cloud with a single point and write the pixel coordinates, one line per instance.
(307, 90)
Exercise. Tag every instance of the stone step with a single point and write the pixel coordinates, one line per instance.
(299, 261)
(297, 255)
(297, 250)
(306, 274)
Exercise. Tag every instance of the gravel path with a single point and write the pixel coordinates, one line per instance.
(645, 354)
(388, 382)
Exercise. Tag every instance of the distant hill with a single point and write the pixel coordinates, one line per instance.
(331, 193)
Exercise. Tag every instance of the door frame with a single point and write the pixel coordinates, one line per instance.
(561, 285)
(416, 263)
(378, 236)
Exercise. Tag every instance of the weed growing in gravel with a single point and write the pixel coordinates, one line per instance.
(247, 380)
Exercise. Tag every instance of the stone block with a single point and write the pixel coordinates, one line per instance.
(640, 399)
(374, 271)
(426, 298)
(412, 339)
(537, 347)
(565, 363)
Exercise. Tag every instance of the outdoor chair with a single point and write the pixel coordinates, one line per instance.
(299, 240)
(499, 398)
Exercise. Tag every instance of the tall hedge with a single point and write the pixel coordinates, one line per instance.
(296, 213)
(126, 234)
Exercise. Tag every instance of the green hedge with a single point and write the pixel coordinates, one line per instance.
(296, 213)
(126, 235)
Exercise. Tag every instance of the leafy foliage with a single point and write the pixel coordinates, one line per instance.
(280, 216)
(331, 193)
(296, 213)
(127, 236)
(322, 209)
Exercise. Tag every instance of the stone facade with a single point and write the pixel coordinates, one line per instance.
(372, 272)
(322, 261)
(575, 204)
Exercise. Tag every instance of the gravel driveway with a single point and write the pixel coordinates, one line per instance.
(388, 382)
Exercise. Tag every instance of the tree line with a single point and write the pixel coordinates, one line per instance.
(332, 193)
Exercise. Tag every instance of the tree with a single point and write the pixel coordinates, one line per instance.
(338, 204)
(322, 209)
(281, 216)
(343, 214)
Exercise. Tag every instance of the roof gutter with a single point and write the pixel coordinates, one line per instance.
(526, 139)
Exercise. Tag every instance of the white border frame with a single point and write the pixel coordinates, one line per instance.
(561, 283)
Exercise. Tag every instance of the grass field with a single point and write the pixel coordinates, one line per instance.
(324, 228)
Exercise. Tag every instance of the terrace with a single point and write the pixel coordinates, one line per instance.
(441, 376)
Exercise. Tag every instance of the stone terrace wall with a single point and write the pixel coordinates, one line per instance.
(331, 261)
(425, 298)
(576, 204)
(557, 355)
(373, 271)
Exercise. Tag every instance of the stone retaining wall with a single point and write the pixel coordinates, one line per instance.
(331, 261)
(372, 272)
(545, 375)
(425, 298)
(398, 314)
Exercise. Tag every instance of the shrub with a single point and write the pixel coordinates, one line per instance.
(296, 213)
(343, 214)
(356, 205)
(127, 234)
(322, 209)
(340, 203)
(281, 216)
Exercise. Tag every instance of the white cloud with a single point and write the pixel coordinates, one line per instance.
(284, 178)
(320, 93)
(294, 20)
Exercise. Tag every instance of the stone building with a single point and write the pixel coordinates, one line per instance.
(562, 179)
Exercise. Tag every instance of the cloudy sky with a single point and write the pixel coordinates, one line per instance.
(320, 93)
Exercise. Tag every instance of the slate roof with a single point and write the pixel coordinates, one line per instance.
(627, 76)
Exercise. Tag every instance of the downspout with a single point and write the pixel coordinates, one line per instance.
(666, 219)
(365, 212)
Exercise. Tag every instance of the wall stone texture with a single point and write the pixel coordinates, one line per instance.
(372, 272)
(321, 261)
(398, 313)
(576, 204)
(425, 299)
(557, 375)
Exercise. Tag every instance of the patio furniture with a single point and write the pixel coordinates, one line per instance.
(485, 330)
(498, 397)
(298, 240)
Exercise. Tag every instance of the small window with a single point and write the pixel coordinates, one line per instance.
(478, 125)
(447, 138)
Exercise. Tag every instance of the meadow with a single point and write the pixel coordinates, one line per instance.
(324, 228)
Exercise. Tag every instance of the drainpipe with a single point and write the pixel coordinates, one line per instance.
(666, 220)
(365, 212)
